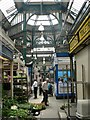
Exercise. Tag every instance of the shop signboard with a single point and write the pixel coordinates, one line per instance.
(73, 43)
(85, 31)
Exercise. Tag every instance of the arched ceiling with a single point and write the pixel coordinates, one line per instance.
(51, 15)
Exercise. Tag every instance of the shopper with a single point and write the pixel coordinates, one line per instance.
(40, 87)
(35, 87)
(50, 88)
(45, 91)
(36, 72)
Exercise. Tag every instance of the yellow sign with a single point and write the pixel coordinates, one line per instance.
(74, 42)
(84, 30)
(84, 33)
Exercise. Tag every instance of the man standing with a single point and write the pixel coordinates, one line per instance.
(36, 72)
(45, 91)
(35, 86)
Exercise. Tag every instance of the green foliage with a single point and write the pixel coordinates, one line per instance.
(5, 112)
(39, 106)
(8, 102)
(32, 106)
(21, 99)
(23, 112)
(20, 113)
(25, 106)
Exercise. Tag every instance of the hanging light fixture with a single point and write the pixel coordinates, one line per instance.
(42, 38)
(41, 27)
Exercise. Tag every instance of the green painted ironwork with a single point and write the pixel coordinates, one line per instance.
(52, 27)
(24, 36)
(46, 8)
(60, 20)
(44, 71)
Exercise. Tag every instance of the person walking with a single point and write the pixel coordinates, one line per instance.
(35, 87)
(45, 91)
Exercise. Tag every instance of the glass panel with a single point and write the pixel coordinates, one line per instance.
(31, 22)
(62, 74)
(54, 21)
(17, 19)
(43, 23)
(11, 18)
(7, 7)
(78, 4)
(51, 16)
(42, 17)
(33, 17)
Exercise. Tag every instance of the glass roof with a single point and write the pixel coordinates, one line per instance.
(8, 7)
(42, 19)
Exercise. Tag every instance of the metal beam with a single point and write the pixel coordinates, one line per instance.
(36, 8)
(43, 52)
(52, 29)
(19, 4)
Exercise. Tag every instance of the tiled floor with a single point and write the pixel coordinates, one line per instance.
(51, 111)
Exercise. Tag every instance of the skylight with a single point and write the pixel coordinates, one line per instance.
(42, 19)
(54, 21)
(31, 22)
(34, 17)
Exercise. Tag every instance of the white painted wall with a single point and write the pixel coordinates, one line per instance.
(89, 72)
(83, 58)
